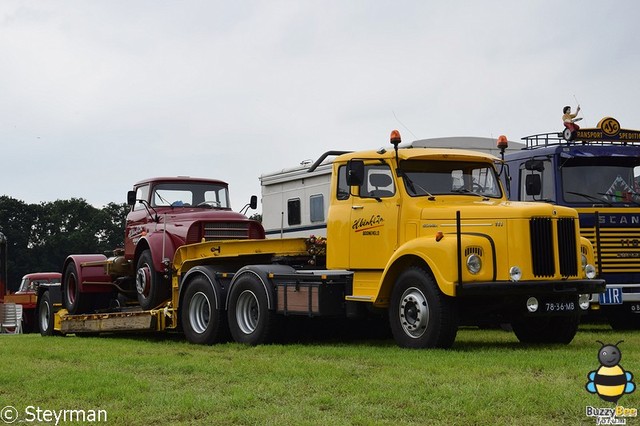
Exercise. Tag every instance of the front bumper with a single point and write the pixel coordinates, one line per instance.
(531, 288)
(630, 292)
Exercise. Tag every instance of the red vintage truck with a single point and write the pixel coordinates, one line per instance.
(166, 213)
(27, 296)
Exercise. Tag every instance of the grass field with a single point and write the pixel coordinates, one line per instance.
(487, 378)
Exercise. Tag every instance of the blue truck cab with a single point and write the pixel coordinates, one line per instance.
(597, 172)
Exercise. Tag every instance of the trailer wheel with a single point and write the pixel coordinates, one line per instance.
(45, 315)
(250, 320)
(202, 322)
(74, 301)
(560, 329)
(151, 286)
(421, 316)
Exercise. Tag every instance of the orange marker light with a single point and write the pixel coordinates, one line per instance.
(502, 143)
(395, 137)
(439, 236)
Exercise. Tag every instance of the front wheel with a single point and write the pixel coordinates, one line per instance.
(421, 316)
(151, 286)
(561, 329)
(250, 320)
(202, 322)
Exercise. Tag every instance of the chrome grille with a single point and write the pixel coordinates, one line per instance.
(226, 231)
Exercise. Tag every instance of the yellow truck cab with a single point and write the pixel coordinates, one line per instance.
(425, 237)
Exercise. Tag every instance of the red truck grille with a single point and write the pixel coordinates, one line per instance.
(226, 231)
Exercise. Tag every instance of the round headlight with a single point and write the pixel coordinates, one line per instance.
(590, 271)
(515, 273)
(583, 301)
(532, 304)
(474, 263)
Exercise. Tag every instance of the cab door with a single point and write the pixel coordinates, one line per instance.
(373, 229)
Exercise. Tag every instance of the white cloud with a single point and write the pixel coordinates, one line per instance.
(97, 95)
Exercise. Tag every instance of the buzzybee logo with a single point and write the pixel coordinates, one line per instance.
(610, 381)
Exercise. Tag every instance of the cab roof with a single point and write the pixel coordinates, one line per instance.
(180, 179)
(420, 154)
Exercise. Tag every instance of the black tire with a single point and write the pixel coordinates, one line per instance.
(73, 300)
(421, 316)
(568, 135)
(622, 320)
(250, 320)
(44, 317)
(558, 330)
(202, 322)
(152, 288)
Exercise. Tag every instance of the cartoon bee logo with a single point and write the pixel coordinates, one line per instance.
(610, 381)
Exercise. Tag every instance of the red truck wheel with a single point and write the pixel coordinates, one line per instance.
(151, 286)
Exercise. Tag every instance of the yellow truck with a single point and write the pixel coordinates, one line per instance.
(424, 236)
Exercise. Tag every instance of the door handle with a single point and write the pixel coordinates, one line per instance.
(357, 207)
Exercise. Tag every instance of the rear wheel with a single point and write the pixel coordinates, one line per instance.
(74, 301)
(560, 330)
(45, 315)
(421, 316)
(151, 286)
(250, 320)
(202, 322)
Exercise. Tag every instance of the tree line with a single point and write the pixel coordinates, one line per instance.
(41, 236)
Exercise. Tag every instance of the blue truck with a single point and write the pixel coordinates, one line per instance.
(597, 172)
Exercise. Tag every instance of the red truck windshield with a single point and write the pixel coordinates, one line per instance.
(189, 194)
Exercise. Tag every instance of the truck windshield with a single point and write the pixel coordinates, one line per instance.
(190, 194)
(437, 177)
(29, 284)
(611, 181)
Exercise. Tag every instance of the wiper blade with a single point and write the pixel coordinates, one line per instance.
(466, 191)
(590, 197)
(412, 185)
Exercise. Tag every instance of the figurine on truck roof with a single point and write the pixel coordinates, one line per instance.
(423, 236)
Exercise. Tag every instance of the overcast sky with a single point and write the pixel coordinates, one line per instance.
(96, 95)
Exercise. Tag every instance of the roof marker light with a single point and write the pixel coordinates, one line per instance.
(502, 142)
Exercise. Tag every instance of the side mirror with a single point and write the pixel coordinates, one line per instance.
(131, 198)
(533, 185)
(253, 203)
(536, 165)
(355, 172)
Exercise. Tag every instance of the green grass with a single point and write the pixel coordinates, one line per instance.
(486, 378)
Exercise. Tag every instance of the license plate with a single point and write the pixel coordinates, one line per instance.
(559, 306)
(613, 296)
